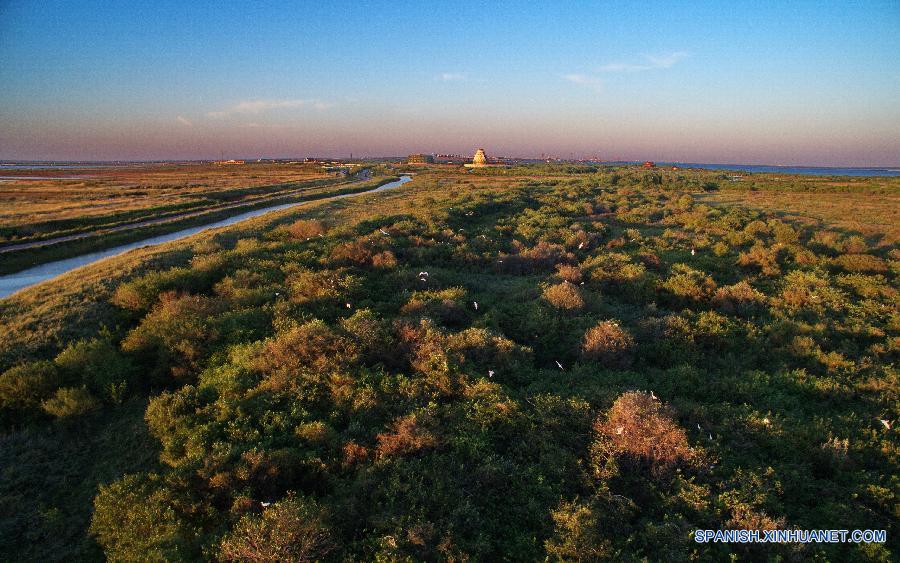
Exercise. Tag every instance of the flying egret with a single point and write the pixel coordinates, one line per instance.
(560, 365)
(384, 232)
(490, 373)
(886, 423)
(348, 305)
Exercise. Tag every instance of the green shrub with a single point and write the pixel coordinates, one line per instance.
(97, 364)
(135, 520)
(70, 401)
(23, 388)
(293, 529)
(177, 334)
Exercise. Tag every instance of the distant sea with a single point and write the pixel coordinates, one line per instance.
(811, 170)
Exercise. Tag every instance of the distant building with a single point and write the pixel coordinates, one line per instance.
(420, 159)
(232, 161)
(649, 164)
(479, 160)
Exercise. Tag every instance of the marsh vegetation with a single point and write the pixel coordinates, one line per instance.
(573, 363)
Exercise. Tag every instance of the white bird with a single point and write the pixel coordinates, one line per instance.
(654, 397)
(490, 373)
(560, 365)
(886, 423)
(710, 436)
(277, 294)
(476, 304)
(384, 232)
(348, 305)
(265, 504)
(693, 252)
(620, 429)
(698, 426)
(423, 274)
(766, 421)
(580, 245)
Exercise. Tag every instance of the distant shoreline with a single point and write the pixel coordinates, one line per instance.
(749, 168)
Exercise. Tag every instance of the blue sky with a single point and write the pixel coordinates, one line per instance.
(778, 83)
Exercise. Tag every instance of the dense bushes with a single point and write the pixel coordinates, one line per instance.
(459, 382)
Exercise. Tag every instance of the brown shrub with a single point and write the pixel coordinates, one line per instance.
(311, 345)
(738, 298)
(569, 273)
(541, 257)
(358, 252)
(855, 245)
(353, 454)
(384, 259)
(861, 263)
(306, 285)
(564, 296)
(762, 257)
(639, 430)
(408, 435)
(609, 344)
(306, 229)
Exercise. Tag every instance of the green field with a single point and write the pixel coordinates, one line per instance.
(539, 362)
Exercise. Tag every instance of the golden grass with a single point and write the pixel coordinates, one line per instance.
(96, 192)
(874, 215)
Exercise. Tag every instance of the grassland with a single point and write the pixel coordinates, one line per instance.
(41, 203)
(538, 362)
(38, 242)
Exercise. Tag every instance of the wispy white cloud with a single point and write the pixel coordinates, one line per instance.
(650, 62)
(184, 121)
(253, 107)
(585, 80)
(452, 77)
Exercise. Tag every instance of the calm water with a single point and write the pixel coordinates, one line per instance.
(811, 170)
(12, 283)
